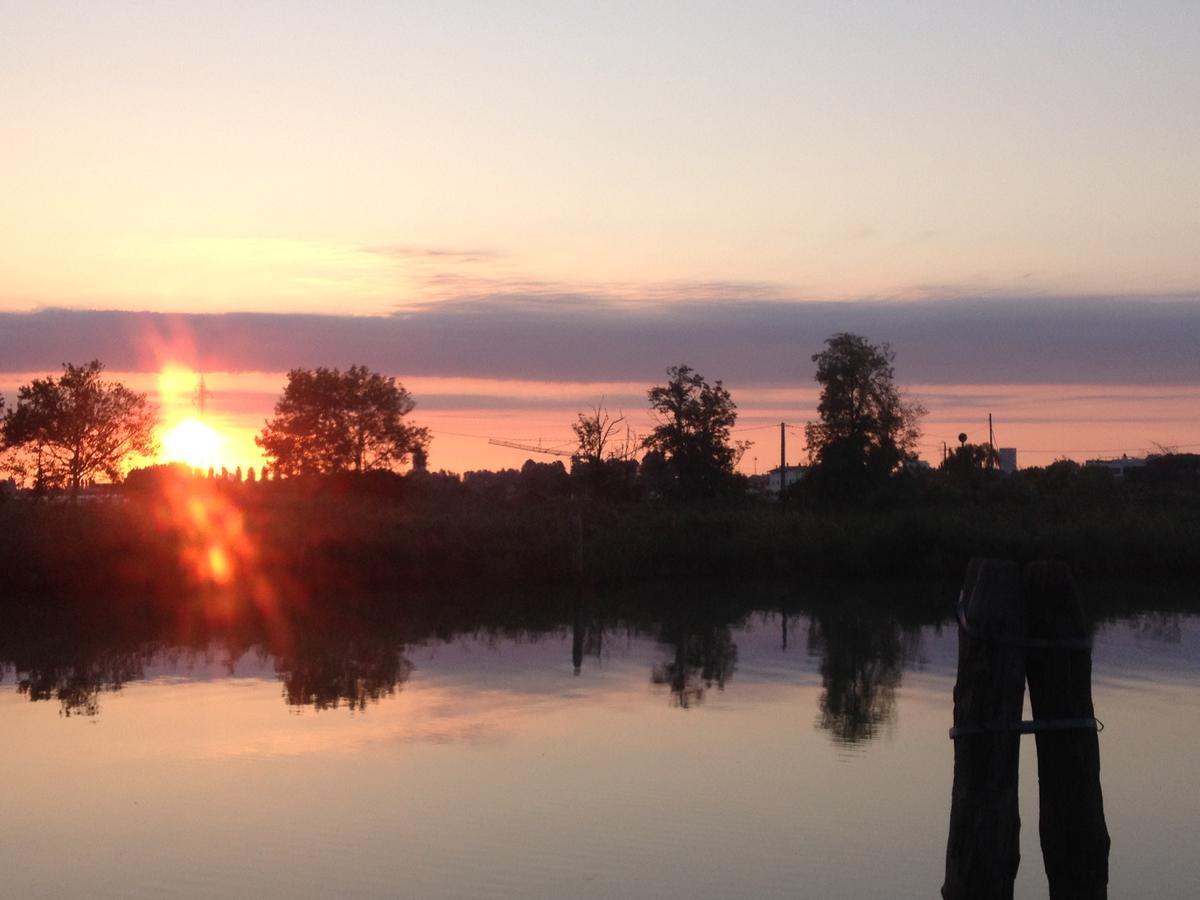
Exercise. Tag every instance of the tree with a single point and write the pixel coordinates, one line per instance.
(595, 433)
(866, 430)
(693, 420)
(604, 463)
(67, 431)
(331, 421)
(967, 459)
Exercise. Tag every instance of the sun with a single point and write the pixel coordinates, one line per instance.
(192, 442)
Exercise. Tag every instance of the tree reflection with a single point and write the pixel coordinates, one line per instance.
(1166, 627)
(77, 684)
(326, 671)
(704, 655)
(861, 659)
(323, 661)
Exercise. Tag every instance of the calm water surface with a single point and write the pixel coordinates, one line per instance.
(753, 754)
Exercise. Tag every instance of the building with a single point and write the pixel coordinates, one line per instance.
(1119, 467)
(1008, 459)
(775, 482)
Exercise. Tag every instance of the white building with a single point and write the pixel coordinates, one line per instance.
(774, 481)
(1008, 459)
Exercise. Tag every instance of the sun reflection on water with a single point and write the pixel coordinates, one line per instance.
(223, 560)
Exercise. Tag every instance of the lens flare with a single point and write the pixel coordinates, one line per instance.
(192, 442)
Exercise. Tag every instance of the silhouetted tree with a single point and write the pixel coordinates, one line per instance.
(603, 462)
(154, 479)
(595, 433)
(495, 486)
(654, 477)
(66, 431)
(866, 429)
(331, 421)
(969, 458)
(539, 481)
(692, 431)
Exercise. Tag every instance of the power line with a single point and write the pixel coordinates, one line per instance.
(760, 427)
(482, 437)
(938, 445)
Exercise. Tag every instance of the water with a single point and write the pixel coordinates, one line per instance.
(719, 752)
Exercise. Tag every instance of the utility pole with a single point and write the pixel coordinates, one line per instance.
(202, 395)
(782, 452)
(782, 462)
(991, 443)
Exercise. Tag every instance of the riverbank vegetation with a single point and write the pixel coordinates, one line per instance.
(331, 512)
(169, 532)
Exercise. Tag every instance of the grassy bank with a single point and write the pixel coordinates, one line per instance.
(299, 543)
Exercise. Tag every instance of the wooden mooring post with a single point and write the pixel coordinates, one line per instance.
(1075, 840)
(984, 847)
(1014, 627)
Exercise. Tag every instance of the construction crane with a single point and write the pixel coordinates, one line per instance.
(530, 447)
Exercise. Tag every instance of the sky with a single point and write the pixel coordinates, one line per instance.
(522, 208)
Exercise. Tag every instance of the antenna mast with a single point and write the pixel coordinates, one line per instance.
(202, 395)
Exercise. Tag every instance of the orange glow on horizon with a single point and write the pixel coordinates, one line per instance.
(1043, 421)
(192, 442)
(196, 429)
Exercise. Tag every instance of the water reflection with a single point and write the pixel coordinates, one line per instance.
(702, 656)
(350, 655)
(587, 639)
(325, 671)
(1166, 627)
(862, 653)
(482, 712)
(77, 685)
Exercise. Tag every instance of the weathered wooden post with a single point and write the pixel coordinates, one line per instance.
(1075, 840)
(983, 851)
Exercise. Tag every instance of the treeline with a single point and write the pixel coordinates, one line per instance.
(1061, 489)
(67, 432)
(337, 516)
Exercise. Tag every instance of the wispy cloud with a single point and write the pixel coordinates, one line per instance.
(437, 254)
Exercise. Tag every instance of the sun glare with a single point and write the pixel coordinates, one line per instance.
(176, 384)
(192, 442)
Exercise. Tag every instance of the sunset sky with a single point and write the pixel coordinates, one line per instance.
(521, 208)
